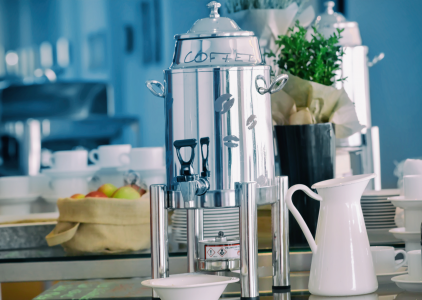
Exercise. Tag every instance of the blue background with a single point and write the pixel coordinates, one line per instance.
(388, 26)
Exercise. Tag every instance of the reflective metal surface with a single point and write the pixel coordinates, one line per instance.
(158, 227)
(218, 265)
(362, 146)
(215, 41)
(280, 80)
(223, 51)
(280, 235)
(220, 199)
(246, 194)
(237, 152)
(195, 233)
(151, 83)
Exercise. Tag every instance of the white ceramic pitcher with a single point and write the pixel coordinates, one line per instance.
(342, 261)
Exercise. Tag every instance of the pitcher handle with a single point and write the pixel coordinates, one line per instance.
(298, 216)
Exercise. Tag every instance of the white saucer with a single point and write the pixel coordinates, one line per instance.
(385, 278)
(379, 211)
(88, 172)
(405, 283)
(378, 218)
(18, 200)
(381, 193)
(401, 234)
(375, 202)
(375, 213)
(402, 202)
(382, 205)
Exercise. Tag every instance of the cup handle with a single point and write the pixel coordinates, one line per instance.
(92, 155)
(404, 258)
(124, 159)
(297, 215)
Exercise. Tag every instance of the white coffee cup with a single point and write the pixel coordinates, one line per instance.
(415, 265)
(412, 185)
(14, 186)
(145, 158)
(66, 187)
(69, 160)
(384, 259)
(110, 156)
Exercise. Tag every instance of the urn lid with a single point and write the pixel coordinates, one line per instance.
(213, 26)
(216, 42)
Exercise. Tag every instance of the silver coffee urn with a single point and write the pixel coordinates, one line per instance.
(219, 150)
(362, 150)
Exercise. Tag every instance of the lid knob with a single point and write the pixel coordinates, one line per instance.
(330, 7)
(214, 5)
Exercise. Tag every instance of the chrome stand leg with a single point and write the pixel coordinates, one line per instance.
(195, 233)
(280, 232)
(158, 222)
(282, 296)
(246, 196)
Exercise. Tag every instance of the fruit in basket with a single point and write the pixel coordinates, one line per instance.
(126, 192)
(77, 196)
(108, 189)
(96, 194)
(140, 190)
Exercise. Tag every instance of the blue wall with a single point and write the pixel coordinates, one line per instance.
(395, 28)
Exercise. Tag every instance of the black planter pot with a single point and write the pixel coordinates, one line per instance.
(306, 155)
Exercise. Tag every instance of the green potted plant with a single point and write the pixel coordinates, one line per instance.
(304, 113)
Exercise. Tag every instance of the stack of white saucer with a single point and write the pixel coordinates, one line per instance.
(215, 220)
(411, 202)
(378, 213)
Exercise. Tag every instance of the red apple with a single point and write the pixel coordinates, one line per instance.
(77, 196)
(108, 189)
(96, 194)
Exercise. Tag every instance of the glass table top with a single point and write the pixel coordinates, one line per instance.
(133, 289)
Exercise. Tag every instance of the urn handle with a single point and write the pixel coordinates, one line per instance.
(150, 83)
(282, 79)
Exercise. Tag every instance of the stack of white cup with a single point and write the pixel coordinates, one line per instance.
(148, 162)
(111, 159)
(411, 282)
(411, 202)
(69, 173)
(385, 263)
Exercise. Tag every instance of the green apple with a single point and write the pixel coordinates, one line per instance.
(126, 192)
(108, 189)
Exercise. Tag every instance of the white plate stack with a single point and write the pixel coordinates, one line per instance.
(379, 213)
(215, 220)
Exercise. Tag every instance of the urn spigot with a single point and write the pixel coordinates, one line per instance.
(191, 184)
